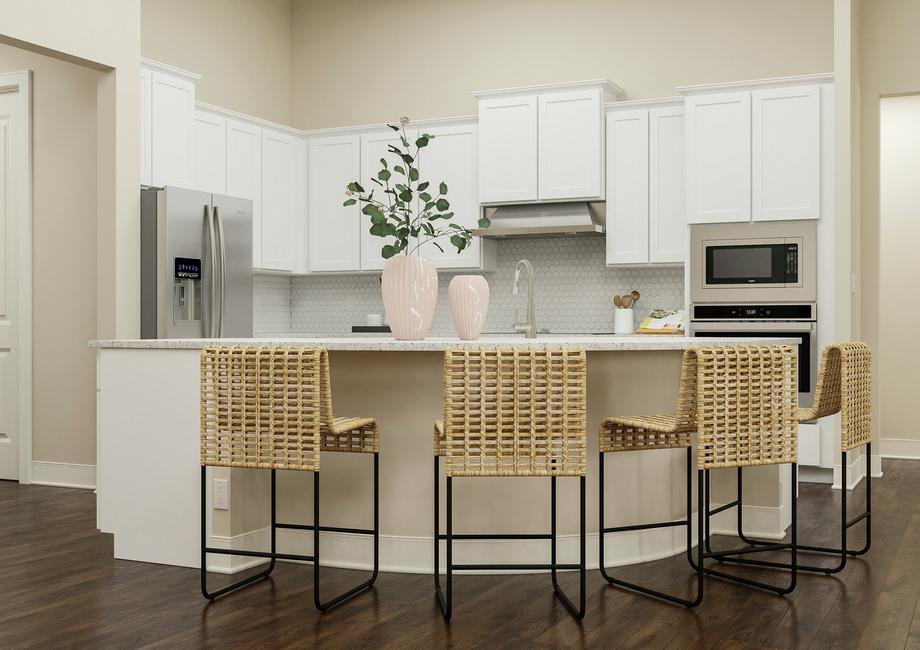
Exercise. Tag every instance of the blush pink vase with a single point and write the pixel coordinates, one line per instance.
(410, 294)
(469, 301)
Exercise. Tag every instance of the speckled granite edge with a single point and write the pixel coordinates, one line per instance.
(439, 344)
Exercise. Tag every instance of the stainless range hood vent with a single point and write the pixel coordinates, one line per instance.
(538, 220)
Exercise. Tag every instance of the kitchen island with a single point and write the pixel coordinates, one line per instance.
(148, 471)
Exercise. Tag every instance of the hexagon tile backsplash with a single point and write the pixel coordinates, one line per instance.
(573, 293)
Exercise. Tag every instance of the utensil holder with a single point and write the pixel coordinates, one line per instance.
(623, 321)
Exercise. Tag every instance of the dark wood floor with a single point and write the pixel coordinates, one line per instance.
(60, 587)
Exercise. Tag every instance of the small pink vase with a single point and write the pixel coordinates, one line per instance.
(469, 301)
(410, 294)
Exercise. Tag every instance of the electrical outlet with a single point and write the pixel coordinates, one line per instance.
(220, 494)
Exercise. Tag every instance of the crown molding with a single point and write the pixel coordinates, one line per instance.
(797, 80)
(605, 84)
(170, 69)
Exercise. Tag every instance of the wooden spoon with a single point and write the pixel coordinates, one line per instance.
(617, 301)
(635, 296)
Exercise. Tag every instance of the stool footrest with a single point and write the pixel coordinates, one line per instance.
(514, 567)
(662, 524)
(331, 529)
(857, 519)
(265, 554)
(499, 536)
(723, 508)
(748, 549)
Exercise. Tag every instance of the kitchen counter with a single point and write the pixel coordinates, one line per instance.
(148, 472)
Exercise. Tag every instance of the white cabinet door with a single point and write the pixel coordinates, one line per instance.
(786, 153)
(334, 234)
(571, 145)
(373, 148)
(508, 149)
(146, 126)
(667, 191)
(244, 175)
(451, 157)
(718, 150)
(172, 114)
(209, 134)
(627, 187)
(281, 213)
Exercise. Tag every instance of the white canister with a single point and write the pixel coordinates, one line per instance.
(623, 321)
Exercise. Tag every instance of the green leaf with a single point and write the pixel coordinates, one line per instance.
(443, 188)
(393, 126)
(421, 142)
(383, 161)
(424, 196)
(376, 181)
(350, 202)
(399, 168)
(429, 204)
(405, 195)
(379, 230)
(423, 186)
(427, 227)
(446, 215)
(373, 211)
(383, 175)
(407, 158)
(388, 251)
(413, 174)
(442, 204)
(458, 241)
(484, 222)
(405, 142)
(437, 245)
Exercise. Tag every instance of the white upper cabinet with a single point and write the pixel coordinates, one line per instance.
(544, 143)
(627, 187)
(281, 200)
(244, 175)
(786, 153)
(167, 110)
(334, 235)
(667, 204)
(146, 126)
(645, 183)
(209, 137)
(718, 150)
(508, 149)
(571, 145)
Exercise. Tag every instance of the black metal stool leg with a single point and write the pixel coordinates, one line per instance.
(579, 612)
(444, 599)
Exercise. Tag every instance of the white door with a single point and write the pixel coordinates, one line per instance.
(571, 145)
(334, 235)
(146, 126)
(667, 203)
(786, 153)
(209, 135)
(14, 136)
(281, 214)
(451, 157)
(627, 187)
(172, 115)
(373, 148)
(244, 175)
(508, 149)
(718, 150)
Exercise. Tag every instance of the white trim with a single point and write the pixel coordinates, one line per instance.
(243, 117)
(72, 475)
(170, 69)
(877, 466)
(369, 128)
(761, 522)
(812, 474)
(900, 448)
(604, 84)
(645, 103)
(22, 82)
(856, 472)
(796, 80)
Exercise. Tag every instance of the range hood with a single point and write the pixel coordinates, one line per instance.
(545, 220)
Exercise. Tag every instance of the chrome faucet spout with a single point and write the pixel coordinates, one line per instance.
(529, 328)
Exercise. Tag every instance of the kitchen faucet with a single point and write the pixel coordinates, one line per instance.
(530, 327)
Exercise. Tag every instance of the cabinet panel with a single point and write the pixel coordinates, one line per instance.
(244, 175)
(627, 187)
(210, 150)
(334, 235)
(508, 149)
(172, 111)
(667, 189)
(146, 82)
(786, 153)
(571, 142)
(718, 150)
(451, 157)
(281, 214)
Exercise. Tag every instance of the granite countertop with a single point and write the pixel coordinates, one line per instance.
(601, 342)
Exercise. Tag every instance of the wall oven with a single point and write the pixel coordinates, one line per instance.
(756, 262)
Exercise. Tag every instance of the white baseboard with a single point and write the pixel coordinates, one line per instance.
(877, 466)
(900, 448)
(70, 475)
(811, 474)
(404, 554)
(856, 472)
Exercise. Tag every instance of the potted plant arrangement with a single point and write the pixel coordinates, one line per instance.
(409, 212)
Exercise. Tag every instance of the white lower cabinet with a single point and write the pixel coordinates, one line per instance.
(281, 201)
(645, 183)
(244, 175)
(334, 234)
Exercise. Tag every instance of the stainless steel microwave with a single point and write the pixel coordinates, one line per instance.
(760, 262)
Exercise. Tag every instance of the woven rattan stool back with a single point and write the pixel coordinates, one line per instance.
(513, 412)
(264, 407)
(845, 386)
(747, 401)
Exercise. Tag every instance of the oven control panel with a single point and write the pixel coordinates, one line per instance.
(803, 311)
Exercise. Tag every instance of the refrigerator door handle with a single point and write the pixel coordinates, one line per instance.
(222, 287)
(211, 324)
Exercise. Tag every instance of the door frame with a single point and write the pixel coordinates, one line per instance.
(21, 82)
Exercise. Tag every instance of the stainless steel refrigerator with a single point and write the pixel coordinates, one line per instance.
(196, 264)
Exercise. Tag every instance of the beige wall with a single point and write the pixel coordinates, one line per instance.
(890, 51)
(64, 254)
(241, 49)
(358, 62)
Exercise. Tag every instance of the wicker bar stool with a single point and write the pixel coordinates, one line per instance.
(844, 386)
(742, 403)
(511, 412)
(271, 408)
